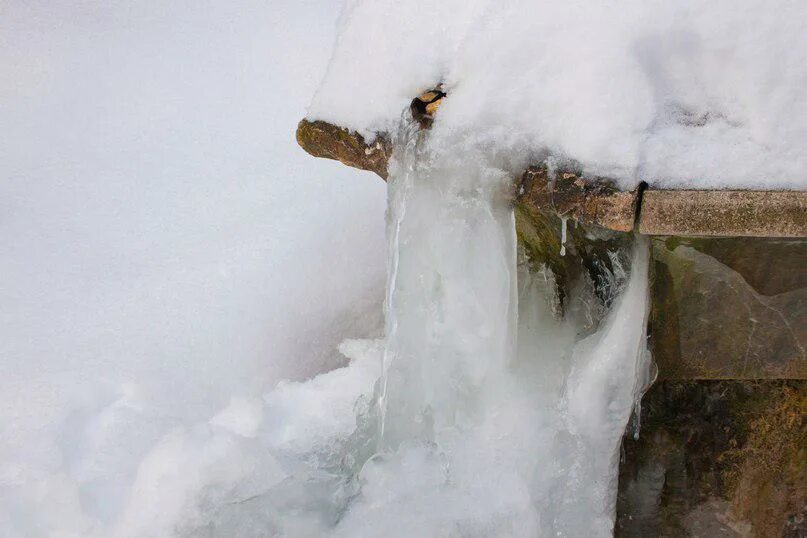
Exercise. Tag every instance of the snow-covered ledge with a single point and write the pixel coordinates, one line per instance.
(699, 213)
(717, 255)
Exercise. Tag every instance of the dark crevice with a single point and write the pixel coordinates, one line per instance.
(639, 198)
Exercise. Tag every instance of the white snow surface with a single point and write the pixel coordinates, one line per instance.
(168, 254)
(678, 94)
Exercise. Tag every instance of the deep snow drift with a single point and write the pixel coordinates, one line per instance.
(165, 247)
(683, 93)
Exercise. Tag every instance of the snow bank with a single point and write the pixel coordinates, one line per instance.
(168, 254)
(678, 94)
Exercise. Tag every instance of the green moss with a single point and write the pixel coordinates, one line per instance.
(539, 234)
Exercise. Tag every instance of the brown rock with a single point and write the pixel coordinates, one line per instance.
(588, 200)
(322, 139)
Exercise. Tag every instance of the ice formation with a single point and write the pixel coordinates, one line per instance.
(481, 413)
(497, 419)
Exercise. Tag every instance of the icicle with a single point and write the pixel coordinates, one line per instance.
(563, 236)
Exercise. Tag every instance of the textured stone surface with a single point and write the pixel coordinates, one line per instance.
(729, 308)
(588, 200)
(322, 139)
(590, 250)
(717, 458)
(724, 213)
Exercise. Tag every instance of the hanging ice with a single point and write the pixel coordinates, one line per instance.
(480, 414)
(494, 421)
(563, 236)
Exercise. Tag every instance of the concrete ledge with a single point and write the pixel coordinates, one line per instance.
(724, 213)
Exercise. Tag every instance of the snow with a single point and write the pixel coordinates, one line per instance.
(177, 274)
(678, 94)
(168, 253)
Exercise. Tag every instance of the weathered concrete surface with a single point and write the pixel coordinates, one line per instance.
(717, 458)
(729, 308)
(724, 213)
(322, 139)
(593, 200)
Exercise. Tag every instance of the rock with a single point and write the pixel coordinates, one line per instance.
(588, 200)
(322, 139)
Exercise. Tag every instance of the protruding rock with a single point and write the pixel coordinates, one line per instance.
(322, 139)
(588, 200)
